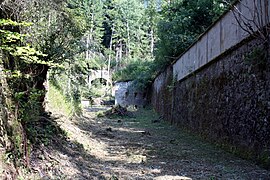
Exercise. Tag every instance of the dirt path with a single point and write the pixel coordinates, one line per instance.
(136, 148)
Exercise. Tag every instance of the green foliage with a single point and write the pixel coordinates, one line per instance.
(100, 114)
(133, 70)
(89, 17)
(258, 56)
(29, 104)
(26, 59)
(139, 70)
(9, 37)
(126, 35)
(25, 70)
(9, 22)
(10, 41)
(181, 23)
(58, 101)
(18, 72)
(64, 96)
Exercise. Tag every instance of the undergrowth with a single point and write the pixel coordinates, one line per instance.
(58, 101)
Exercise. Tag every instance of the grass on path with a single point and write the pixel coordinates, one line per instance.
(140, 147)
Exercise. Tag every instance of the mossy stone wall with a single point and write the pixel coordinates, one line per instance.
(226, 101)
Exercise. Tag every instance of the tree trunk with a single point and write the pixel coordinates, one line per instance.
(152, 40)
(110, 48)
(117, 58)
(87, 46)
(89, 38)
(120, 52)
(128, 40)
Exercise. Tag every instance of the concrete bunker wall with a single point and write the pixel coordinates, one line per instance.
(127, 95)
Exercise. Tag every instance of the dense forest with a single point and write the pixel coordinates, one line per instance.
(57, 42)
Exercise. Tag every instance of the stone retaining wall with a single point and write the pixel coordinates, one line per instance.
(223, 97)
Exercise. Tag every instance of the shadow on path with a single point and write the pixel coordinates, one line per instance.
(136, 148)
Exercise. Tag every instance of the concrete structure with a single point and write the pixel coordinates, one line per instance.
(126, 95)
(99, 74)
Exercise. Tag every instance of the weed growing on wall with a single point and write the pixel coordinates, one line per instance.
(171, 86)
(258, 56)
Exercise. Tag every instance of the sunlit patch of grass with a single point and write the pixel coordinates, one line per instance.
(58, 102)
(144, 117)
(100, 114)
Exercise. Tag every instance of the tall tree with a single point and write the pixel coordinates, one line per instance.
(152, 18)
(181, 23)
(127, 29)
